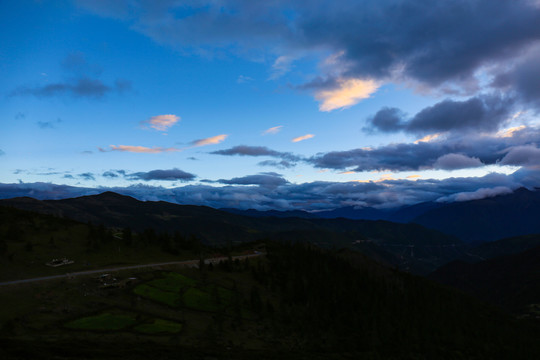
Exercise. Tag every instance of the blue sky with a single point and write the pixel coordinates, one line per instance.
(287, 104)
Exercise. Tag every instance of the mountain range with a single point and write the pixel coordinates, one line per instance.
(473, 221)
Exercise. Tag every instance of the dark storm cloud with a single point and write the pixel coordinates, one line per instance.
(82, 87)
(317, 195)
(262, 179)
(482, 113)
(431, 42)
(522, 79)
(387, 120)
(424, 155)
(165, 175)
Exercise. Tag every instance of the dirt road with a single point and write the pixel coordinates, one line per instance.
(194, 263)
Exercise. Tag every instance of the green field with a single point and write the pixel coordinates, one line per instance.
(103, 322)
(177, 290)
(172, 282)
(165, 297)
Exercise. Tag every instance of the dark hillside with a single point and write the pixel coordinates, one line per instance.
(511, 282)
(407, 246)
(487, 219)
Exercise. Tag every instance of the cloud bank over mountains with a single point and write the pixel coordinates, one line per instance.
(271, 191)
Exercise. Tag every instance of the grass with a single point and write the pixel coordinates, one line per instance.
(103, 322)
(176, 290)
(173, 282)
(198, 300)
(159, 326)
(165, 297)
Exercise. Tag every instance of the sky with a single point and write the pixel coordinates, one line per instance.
(308, 105)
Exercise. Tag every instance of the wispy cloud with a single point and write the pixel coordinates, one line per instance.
(510, 131)
(428, 138)
(242, 79)
(140, 149)
(209, 141)
(347, 93)
(302, 138)
(161, 122)
(273, 130)
(83, 87)
(281, 66)
(48, 124)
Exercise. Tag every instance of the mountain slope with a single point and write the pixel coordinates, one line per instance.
(487, 219)
(512, 282)
(407, 246)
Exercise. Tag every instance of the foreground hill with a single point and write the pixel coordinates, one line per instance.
(407, 246)
(296, 302)
(511, 282)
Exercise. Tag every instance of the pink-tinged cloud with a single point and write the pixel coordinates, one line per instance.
(141, 149)
(302, 138)
(349, 92)
(209, 141)
(161, 122)
(273, 130)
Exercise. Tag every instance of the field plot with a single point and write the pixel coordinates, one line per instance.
(177, 290)
(105, 321)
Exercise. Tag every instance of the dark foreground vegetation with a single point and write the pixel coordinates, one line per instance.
(290, 300)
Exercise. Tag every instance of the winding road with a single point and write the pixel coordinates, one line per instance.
(131, 267)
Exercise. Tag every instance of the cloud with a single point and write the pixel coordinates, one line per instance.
(87, 176)
(274, 192)
(510, 131)
(209, 141)
(242, 79)
(382, 40)
(288, 159)
(484, 113)
(161, 122)
(526, 155)
(481, 193)
(262, 179)
(48, 124)
(424, 155)
(2, 152)
(245, 150)
(302, 138)
(522, 78)
(348, 92)
(456, 161)
(162, 175)
(387, 120)
(111, 174)
(281, 66)
(283, 164)
(140, 149)
(82, 88)
(273, 130)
